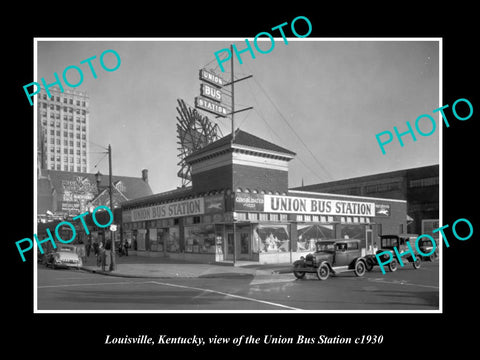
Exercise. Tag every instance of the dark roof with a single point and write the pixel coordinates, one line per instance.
(409, 173)
(243, 138)
(134, 187)
(176, 194)
(44, 195)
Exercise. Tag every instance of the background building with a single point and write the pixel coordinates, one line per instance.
(63, 123)
(418, 186)
(62, 194)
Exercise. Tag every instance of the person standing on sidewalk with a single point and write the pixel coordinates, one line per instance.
(101, 256)
(125, 247)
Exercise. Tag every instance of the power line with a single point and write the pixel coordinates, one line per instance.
(293, 130)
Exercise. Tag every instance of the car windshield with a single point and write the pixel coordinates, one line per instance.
(389, 242)
(325, 246)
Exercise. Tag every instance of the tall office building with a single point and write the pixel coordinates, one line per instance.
(63, 120)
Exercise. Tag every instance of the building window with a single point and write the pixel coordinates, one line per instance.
(430, 181)
(271, 238)
(65, 167)
(78, 168)
(382, 187)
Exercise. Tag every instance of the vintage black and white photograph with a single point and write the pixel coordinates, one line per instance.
(228, 175)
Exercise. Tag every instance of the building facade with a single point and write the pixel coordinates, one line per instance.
(239, 208)
(63, 125)
(418, 186)
(62, 195)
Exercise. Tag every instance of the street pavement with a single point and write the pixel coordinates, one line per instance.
(157, 284)
(162, 267)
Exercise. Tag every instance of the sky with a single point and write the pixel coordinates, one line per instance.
(324, 99)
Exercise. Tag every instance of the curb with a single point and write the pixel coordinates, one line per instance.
(108, 273)
(204, 276)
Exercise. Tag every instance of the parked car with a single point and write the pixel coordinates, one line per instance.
(425, 245)
(332, 257)
(64, 256)
(387, 243)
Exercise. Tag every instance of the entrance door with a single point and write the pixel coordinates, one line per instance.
(243, 244)
(229, 246)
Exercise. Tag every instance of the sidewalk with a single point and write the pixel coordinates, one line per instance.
(160, 267)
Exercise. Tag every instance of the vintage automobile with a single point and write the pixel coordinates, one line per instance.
(387, 243)
(425, 245)
(64, 256)
(331, 257)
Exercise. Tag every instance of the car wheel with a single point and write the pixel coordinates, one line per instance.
(417, 264)
(392, 266)
(369, 265)
(323, 272)
(360, 268)
(298, 274)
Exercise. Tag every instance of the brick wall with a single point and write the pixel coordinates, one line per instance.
(215, 179)
(241, 176)
(251, 177)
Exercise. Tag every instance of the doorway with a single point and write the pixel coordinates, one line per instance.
(243, 248)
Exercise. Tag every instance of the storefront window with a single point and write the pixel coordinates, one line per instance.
(354, 232)
(141, 239)
(308, 235)
(271, 238)
(200, 238)
(152, 238)
(173, 239)
(219, 233)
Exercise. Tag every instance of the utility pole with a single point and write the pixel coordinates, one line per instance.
(232, 82)
(233, 140)
(113, 264)
(233, 95)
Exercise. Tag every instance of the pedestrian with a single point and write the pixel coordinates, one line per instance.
(95, 248)
(125, 247)
(101, 256)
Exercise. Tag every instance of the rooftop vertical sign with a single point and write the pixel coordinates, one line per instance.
(211, 94)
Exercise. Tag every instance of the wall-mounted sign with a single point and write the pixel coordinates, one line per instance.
(76, 194)
(249, 202)
(297, 205)
(170, 210)
(210, 106)
(382, 210)
(214, 204)
(211, 78)
(210, 92)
